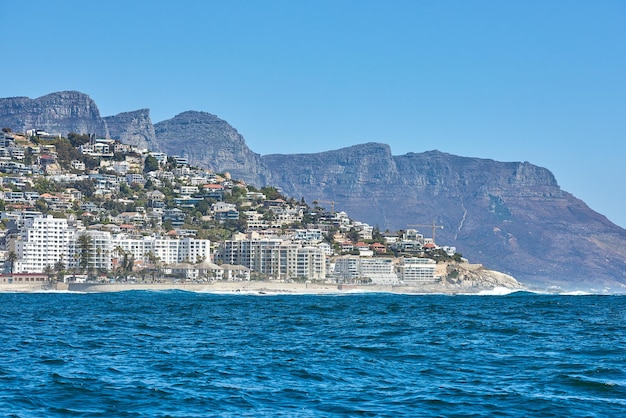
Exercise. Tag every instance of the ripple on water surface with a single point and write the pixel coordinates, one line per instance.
(193, 354)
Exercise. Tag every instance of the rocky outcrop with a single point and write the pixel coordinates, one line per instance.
(210, 142)
(57, 113)
(134, 128)
(475, 276)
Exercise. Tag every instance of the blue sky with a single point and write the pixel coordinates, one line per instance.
(537, 81)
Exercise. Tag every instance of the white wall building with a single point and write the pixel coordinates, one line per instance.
(168, 251)
(100, 250)
(415, 271)
(378, 270)
(276, 258)
(43, 242)
(309, 235)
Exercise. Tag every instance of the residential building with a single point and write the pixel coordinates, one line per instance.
(378, 270)
(175, 217)
(166, 250)
(43, 241)
(225, 211)
(100, 250)
(276, 258)
(415, 271)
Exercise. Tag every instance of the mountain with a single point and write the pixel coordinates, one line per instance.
(509, 216)
(512, 217)
(134, 128)
(56, 113)
(210, 142)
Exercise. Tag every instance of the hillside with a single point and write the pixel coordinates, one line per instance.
(509, 216)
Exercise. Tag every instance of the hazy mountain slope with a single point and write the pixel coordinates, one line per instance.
(512, 217)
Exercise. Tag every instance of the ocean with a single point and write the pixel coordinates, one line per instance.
(184, 354)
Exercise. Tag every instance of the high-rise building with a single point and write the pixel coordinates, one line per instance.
(43, 242)
(417, 270)
(276, 258)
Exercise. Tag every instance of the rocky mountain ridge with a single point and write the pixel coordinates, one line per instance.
(133, 128)
(55, 113)
(210, 142)
(512, 217)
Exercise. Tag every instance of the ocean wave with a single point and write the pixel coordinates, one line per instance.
(180, 353)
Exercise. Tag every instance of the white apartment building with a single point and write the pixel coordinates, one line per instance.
(187, 190)
(415, 271)
(379, 270)
(276, 258)
(310, 263)
(347, 268)
(255, 220)
(365, 231)
(194, 250)
(326, 248)
(43, 242)
(258, 255)
(167, 251)
(286, 216)
(100, 250)
(309, 235)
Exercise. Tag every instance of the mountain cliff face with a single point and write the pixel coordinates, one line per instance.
(210, 142)
(511, 217)
(134, 128)
(56, 113)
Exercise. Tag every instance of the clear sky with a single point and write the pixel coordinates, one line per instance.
(538, 81)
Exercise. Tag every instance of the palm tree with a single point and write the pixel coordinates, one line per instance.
(119, 253)
(11, 259)
(129, 263)
(84, 248)
(155, 263)
(49, 272)
(59, 267)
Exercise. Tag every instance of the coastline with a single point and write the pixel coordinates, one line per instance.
(468, 279)
(254, 287)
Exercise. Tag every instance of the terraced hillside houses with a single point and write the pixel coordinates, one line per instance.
(87, 208)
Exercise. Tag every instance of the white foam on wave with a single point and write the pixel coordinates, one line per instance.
(577, 293)
(499, 291)
(62, 291)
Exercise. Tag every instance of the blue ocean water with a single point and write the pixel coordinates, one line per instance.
(180, 354)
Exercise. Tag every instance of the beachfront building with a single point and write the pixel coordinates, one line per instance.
(378, 270)
(260, 256)
(166, 251)
(302, 262)
(43, 242)
(99, 249)
(415, 271)
(226, 272)
(276, 258)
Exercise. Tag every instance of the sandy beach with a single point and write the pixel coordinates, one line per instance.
(251, 287)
